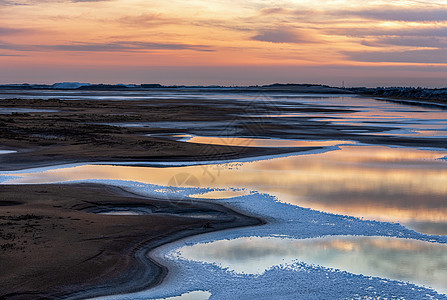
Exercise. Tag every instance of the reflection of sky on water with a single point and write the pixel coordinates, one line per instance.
(6, 152)
(400, 259)
(196, 295)
(253, 142)
(407, 120)
(392, 184)
(378, 182)
(221, 194)
(117, 95)
(10, 110)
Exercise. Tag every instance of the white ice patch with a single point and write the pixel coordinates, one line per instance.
(399, 259)
(280, 281)
(196, 295)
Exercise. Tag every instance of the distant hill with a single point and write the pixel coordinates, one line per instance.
(392, 92)
(276, 87)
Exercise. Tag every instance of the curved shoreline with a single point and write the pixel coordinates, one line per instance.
(143, 254)
(129, 271)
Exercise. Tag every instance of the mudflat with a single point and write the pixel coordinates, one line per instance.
(55, 243)
(83, 131)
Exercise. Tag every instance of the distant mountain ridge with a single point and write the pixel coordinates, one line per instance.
(276, 87)
(89, 86)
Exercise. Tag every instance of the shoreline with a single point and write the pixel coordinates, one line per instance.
(74, 134)
(115, 262)
(120, 256)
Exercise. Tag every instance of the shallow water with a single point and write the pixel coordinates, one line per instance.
(344, 180)
(196, 295)
(6, 151)
(7, 111)
(254, 142)
(399, 259)
(375, 182)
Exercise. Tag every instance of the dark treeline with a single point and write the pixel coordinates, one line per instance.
(403, 92)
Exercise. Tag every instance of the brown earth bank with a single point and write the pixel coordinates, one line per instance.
(54, 244)
(90, 130)
(76, 132)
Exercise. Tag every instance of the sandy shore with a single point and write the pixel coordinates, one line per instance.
(53, 245)
(74, 134)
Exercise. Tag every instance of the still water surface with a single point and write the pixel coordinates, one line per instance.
(403, 185)
(375, 182)
(399, 259)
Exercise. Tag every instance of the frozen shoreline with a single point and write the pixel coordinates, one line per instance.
(365, 123)
(286, 221)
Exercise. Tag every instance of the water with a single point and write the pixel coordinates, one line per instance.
(315, 202)
(6, 152)
(375, 182)
(7, 111)
(400, 259)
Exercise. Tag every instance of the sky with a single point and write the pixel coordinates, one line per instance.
(227, 42)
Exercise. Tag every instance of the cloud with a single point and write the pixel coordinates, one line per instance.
(16, 31)
(119, 46)
(34, 2)
(382, 13)
(275, 11)
(127, 46)
(388, 13)
(10, 3)
(3, 54)
(435, 31)
(437, 56)
(282, 35)
(417, 41)
(9, 30)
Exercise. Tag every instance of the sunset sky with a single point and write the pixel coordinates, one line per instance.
(230, 42)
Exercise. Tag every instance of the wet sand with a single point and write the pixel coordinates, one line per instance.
(73, 134)
(53, 245)
(76, 134)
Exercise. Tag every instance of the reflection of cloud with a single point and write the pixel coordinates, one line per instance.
(394, 258)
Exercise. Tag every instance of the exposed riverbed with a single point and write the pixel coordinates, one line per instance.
(343, 217)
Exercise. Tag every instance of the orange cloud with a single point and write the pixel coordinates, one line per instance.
(71, 33)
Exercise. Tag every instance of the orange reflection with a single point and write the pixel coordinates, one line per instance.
(401, 259)
(392, 184)
(249, 142)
